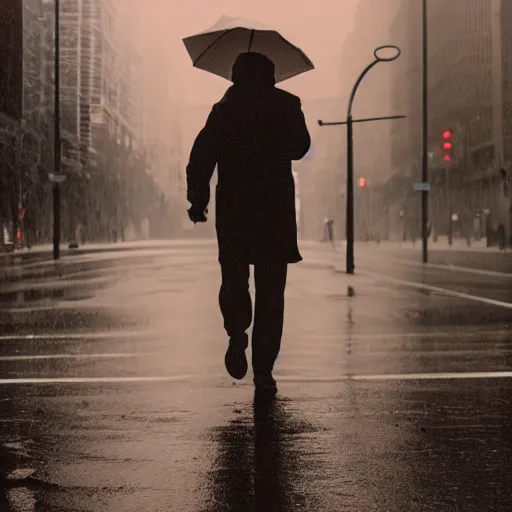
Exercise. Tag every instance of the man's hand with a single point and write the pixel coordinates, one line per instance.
(197, 214)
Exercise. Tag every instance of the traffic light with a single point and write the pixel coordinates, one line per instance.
(447, 146)
(362, 182)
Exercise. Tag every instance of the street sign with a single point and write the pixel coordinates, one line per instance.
(57, 178)
(421, 187)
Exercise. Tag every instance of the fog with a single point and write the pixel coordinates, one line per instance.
(319, 28)
(132, 104)
(338, 36)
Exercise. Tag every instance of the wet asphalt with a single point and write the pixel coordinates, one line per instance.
(394, 389)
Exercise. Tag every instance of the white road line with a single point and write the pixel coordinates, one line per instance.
(444, 291)
(435, 376)
(451, 334)
(401, 376)
(78, 336)
(342, 378)
(143, 336)
(94, 380)
(119, 355)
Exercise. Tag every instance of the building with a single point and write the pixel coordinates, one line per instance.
(469, 77)
(11, 58)
(25, 126)
(401, 205)
(94, 77)
(11, 101)
(106, 101)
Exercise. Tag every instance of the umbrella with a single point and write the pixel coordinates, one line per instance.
(216, 49)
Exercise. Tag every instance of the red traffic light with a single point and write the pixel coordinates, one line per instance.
(362, 182)
(447, 146)
(447, 134)
(447, 158)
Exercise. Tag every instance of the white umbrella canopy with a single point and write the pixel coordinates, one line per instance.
(216, 49)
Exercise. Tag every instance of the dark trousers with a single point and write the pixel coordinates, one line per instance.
(236, 307)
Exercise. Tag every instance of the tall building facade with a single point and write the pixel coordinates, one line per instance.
(102, 100)
(105, 95)
(94, 85)
(469, 73)
(11, 61)
(11, 101)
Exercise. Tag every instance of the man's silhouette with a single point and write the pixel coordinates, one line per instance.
(252, 134)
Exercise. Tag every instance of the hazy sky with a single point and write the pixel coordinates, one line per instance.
(318, 27)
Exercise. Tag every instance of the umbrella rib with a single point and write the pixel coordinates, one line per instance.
(301, 53)
(201, 55)
(251, 40)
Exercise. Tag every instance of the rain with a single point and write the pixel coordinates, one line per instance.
(255, 256)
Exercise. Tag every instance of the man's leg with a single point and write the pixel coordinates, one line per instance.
(236, 308)
(270, 280)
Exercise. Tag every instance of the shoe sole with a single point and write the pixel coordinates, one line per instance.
(234, 368)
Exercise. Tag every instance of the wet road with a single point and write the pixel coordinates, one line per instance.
(393, 397)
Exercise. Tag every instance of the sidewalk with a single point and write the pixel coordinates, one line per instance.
(477, 256)
(42, 253)
(441, 245)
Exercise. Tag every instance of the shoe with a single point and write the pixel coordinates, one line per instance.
(265, 385)
(235, 359)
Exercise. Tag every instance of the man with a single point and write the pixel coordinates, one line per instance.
(329, 230)
(252, 134)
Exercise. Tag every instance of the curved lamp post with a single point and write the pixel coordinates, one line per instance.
(379, 57)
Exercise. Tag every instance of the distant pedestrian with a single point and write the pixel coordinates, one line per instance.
(329, 230)
(253, 134)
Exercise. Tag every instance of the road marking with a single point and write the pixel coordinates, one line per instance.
(435, 376)
(83, 356)
(94, 380)
(402, 376)
(341, 378)
(155, 336)
(79, 336)
(444, 291)
(452, 334)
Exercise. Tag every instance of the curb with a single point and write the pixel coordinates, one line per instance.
(39, 256)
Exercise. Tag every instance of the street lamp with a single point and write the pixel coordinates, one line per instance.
(425, 159)
(379, 57)
(56, 178)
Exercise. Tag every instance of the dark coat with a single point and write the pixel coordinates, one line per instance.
(253, 139)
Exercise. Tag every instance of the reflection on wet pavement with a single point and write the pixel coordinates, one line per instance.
(372, 413)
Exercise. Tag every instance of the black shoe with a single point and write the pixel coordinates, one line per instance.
(265, 385)
(235, 359)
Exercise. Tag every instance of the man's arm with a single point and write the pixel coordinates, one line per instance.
(297, 140)
(202, 162)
